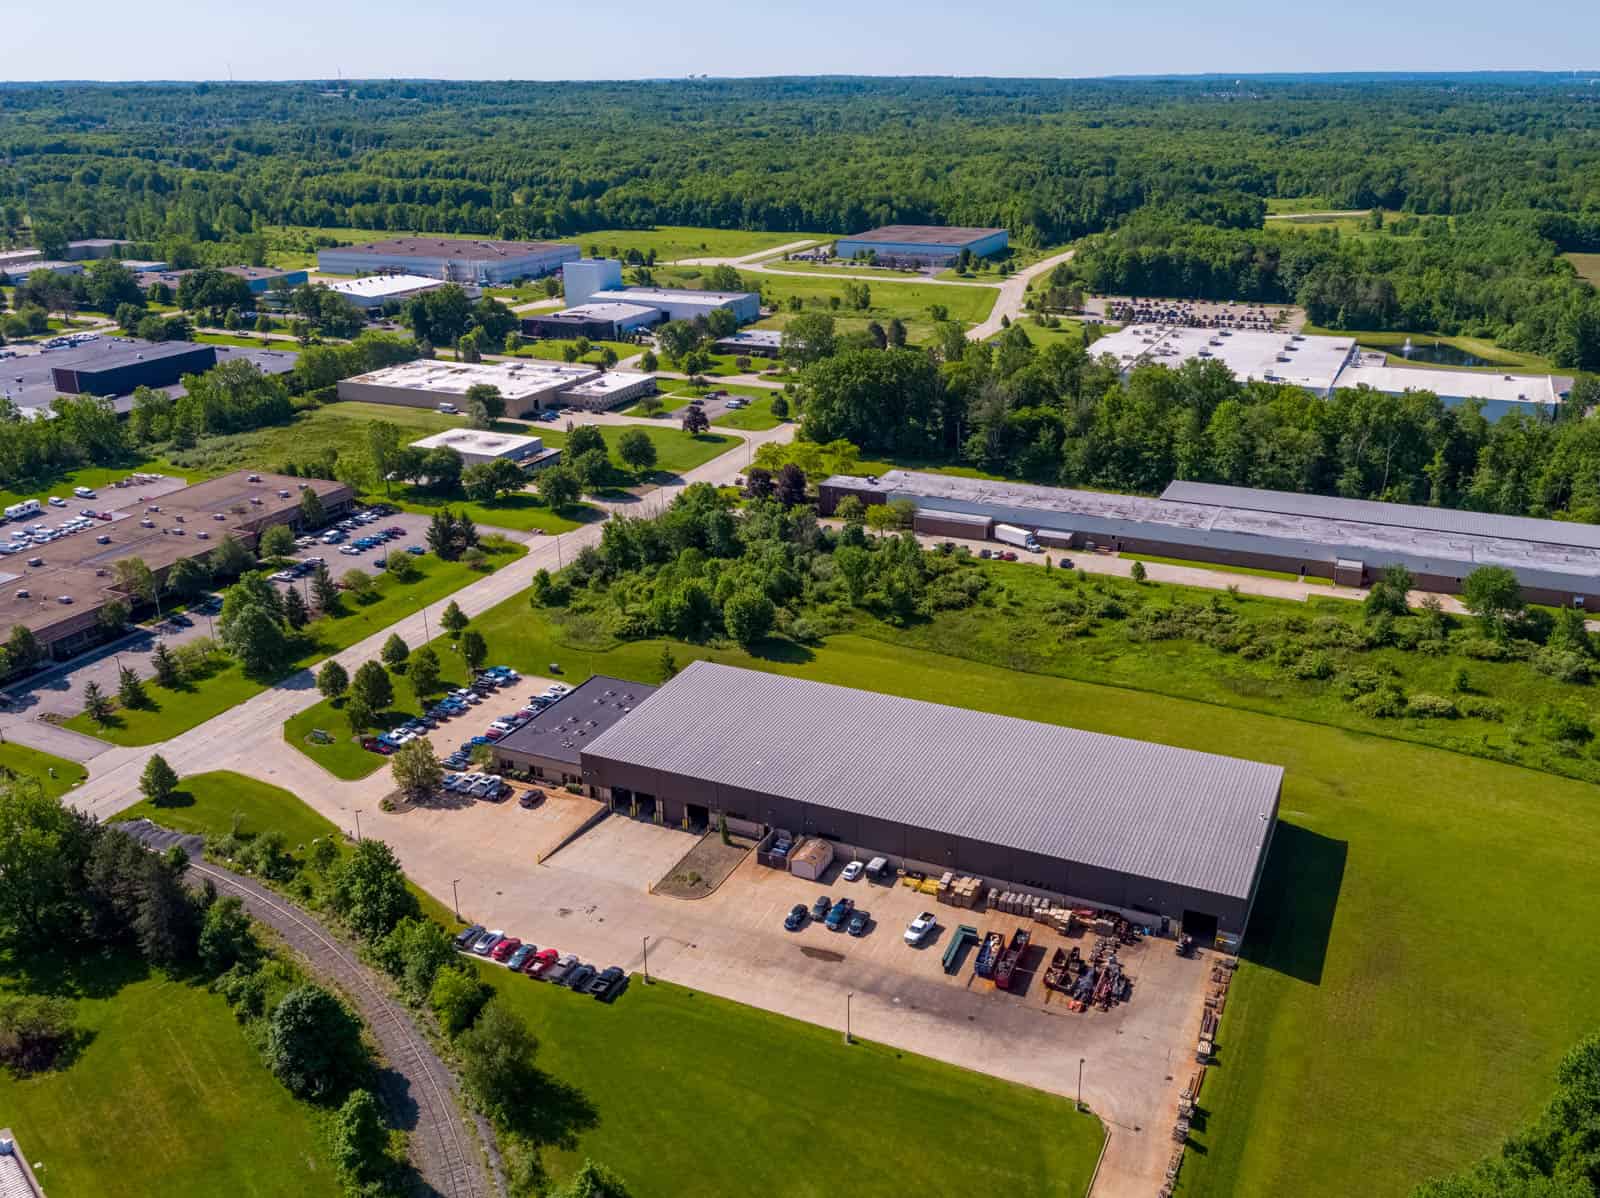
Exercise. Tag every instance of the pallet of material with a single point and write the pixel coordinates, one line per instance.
(1202, 1051)
(1196, 1080)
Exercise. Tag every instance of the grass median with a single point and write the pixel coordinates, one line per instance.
(56, 774)
(173, 711)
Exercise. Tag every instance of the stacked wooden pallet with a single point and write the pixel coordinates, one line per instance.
(963, 892)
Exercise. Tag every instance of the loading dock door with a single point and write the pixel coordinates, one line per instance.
(1200, 925)
(1347, 572)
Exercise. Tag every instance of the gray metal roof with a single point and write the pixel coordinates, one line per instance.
(1152, 811)
(1398, 515)
(564, 728)
(1572, 565)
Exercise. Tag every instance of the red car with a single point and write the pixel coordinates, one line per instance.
(492, 734)
(373, 745)
(540, 962)
(505, 948)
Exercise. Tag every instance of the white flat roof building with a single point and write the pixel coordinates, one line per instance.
(1305, 361)
(1323, 365)
(525, 386)
(610, 390)
(54, 265)
(374, 291)
(483, 445)
(676, 304)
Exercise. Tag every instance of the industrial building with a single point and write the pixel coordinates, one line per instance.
(611, 389)
(113, 366)
(453, 260)
(96, 247)
(1349, 541)
(526, 387)
(922, 245)
(260, 279)
(598, 322)
(19, 274)
(377, 292)
(1117, 823)
(18, 260)
(1321, 365)
(61, 597)
(477, 446)
(751, 343)
(599, 280)
(16, 1175)
(550, 745)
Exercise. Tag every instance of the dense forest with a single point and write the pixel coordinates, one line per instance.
(1050, 159)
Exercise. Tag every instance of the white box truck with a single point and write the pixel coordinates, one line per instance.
(1020, 537)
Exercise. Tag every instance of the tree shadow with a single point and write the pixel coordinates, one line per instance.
(178, 798)
(1293, 915)
(556, 1113)
(782, 651)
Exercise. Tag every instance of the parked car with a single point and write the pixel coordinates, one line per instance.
(416, 549)
(468, 936)
(563, 967)
(541, 962)
(838, 913)
(920, 928)
(858, 922)
(852, 871)
(820, 908)
(505, 948)
(484, 945)
(581, 977)
(796, 918)
(605, 983)
(529, 799)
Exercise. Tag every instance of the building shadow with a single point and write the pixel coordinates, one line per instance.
(1293, 915)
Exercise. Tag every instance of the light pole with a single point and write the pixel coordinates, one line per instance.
(1080, 1082)
(358, 823)
(426, 635)
(849, 994)
(647, 960)
(455, 899)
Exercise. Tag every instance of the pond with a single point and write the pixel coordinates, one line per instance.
(1439, 353)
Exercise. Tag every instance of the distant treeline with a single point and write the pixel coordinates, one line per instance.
(1051, 160)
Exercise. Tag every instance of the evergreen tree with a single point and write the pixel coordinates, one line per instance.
(295, 612)
(159, 782)
(96, 705)
(454, 619)
(130, 689)
(165, 664)
(325, 590)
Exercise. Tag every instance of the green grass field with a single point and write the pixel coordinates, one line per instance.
(844, 269)
(220, 802)
(553, 350)
(671, 242)
(911, 1117)
(19, 759)
(1587, 266)
(1312, 579)
(173, 712)
(167, 1096)
(1363, 1012)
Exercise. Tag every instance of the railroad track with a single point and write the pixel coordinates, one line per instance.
(444, 1151)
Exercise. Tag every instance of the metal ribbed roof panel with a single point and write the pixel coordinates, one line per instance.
(1153, 811)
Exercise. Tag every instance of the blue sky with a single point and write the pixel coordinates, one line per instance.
(557, 39)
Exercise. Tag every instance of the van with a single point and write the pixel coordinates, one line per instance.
(449, 409)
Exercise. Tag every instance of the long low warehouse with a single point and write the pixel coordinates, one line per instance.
(1348, 540)
(1100, 819)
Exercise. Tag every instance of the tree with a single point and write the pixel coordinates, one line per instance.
(226, 937)
(359, 1139)
(748, 615)
(324, 590)
(880, 518)
(295, 612)
(277, 541)
(897, 333)
(591, 1181)
(312, 514)
(359, 714)
(489, 396)
(395, 651)
(648, 362)
(1387, 596)
(424, 672)
(231, 558)
(636, 450)
(136, 579)
(1493, 595)
(188, 577)
(695, 421)
(23, 649)
(313, 1044)
(165, 923)
(474, 651)
(165, 664)
(456, 997)
(371, 686)
(666, 664)
(34, 1031)
(1137, 571)
(416, 770)
(790, 485)
(780, 408)
(454, 619)
(332, 680)
(414, 953)
(130, 689)
(44, 847)
(808, 338)
(370, 889)
(497, 1069)
(257, 639)
(383, 444)
(95, 704)
(558, 487)
(489, 480)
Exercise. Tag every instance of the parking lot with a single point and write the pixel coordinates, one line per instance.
(342, 554)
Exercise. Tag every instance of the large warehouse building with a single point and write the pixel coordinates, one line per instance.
(922, 245)
(376, 292)
(113, 366)
(455, 260)
(599, 322)
(591, 281)
(1349, 541)
(526, 387)
(1323, 365)
(1117, 823)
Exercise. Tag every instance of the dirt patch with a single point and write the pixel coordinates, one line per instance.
(822, 954)
(704, 867)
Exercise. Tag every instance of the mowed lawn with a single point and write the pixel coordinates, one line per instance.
(1409, 982)
(167, 1096)
(672, 242)
(1587, 266)
(19, 759)
(219, 802)
(792, 1106)
(174, 711)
